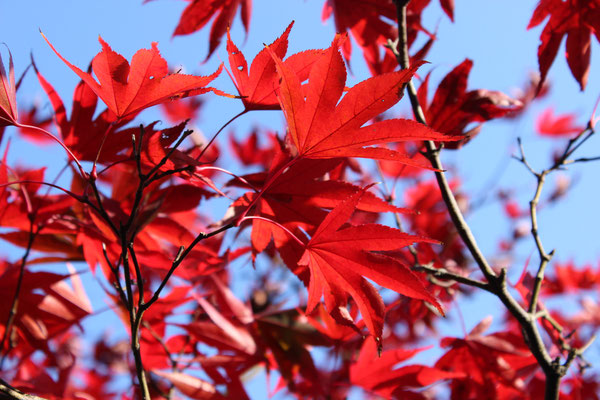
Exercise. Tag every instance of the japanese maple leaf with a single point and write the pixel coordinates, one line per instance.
(199, 12)
(367, 22)
(548, 124)
(339, 260)
(257, 85)
(190, 385)
(81, 132)
(47, 305)
(453, 107)
(377, 373)
(569, 278)
(249, 152)
(372, 23)
(321, 127)
(127, 89)
(180, 110)
(298, 197)
(8, 92)
(578, 20)
(491, 363)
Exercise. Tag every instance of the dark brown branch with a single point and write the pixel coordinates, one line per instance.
(432, 153)
(544, 257)
(172, 361)
(138, 274)
(497, 283)
(442, 273)
(115, 271)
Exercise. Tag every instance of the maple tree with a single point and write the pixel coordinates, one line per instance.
(343, 270)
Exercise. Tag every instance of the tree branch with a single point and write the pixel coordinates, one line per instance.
(497, 283)
(442, 273)
(9, 392)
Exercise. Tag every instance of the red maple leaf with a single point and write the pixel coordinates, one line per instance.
(47, 305)
(373, 23)
(249, 152)
(8, 92)
(492, 364)
(181, 110)
(453, 108)
(376, 373)
(339, 260)
(298, 197)
(190, 385)
(258, 84)
(548, 124)
(128, 89)
(82, 133)
(569, 278)
(578, 20)
(323, 126)
(199, 12)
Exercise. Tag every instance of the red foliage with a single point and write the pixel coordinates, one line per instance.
(548, 124)
(330, 271)
(453, 108)
(575, 19)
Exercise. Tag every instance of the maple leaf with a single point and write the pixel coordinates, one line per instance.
(128, 89)
(249, 152)
(180, 110)
(569, 278)
(298, 197)
(367, 21)
(548, 124)
(340, 259)
(320, 127)
(375, 372)
(190, 385)
(8, 92)
(199, 12)
(453, 107)
(578, 20)
(47, 305)
(289, 338)
(490, 363)
(81, 132)
(373, 23)
(258, 84)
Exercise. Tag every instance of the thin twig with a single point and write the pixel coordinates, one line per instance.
(219, 131)
(181, 254)
(170, 152)
(389, 199)
(115, 271)
(442, 273)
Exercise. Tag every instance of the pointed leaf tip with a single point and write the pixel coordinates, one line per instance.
(128, 89)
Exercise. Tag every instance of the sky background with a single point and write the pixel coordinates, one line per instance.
(491, 32)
